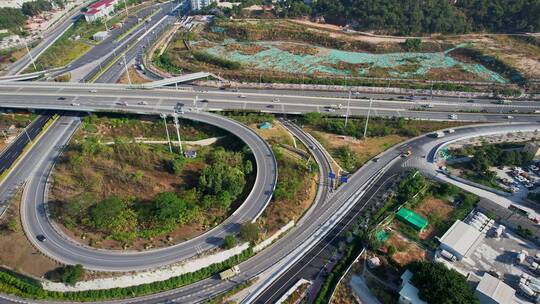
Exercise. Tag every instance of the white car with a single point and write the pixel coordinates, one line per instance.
(93, 91)
(275, 100)
(330, 110)
(75, 104)
(509, 117)
(143, 102)
(452, 116)
(242, 96)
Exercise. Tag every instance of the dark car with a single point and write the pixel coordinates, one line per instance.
(61, 98)
(41, 238)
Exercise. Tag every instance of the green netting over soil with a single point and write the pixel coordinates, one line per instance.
(412, 218)
(308, 59)
(382, 235)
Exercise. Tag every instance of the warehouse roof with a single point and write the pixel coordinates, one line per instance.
(461, 237)
(495, 289)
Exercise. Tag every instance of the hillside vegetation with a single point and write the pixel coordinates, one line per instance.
(415, 17)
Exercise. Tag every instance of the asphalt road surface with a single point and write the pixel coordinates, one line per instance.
(10, 155)
(60, 248)
(114, 97)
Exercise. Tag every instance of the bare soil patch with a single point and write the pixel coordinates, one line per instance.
(407, 251)
(16, 251)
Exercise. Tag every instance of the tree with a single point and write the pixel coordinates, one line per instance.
(412, 44)
(249, 232)
(438, 284)
(69, 274)
(391, 250)
(229, 241)
(112, 216)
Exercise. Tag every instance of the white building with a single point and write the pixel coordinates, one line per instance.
(200, 4)
(408, 294)
(491, 290)
(100, 9)
(460, 239)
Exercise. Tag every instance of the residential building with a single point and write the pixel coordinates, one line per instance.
(408, 294)
(99, 9)
(200, 4)
(461, 239)
(491, 290)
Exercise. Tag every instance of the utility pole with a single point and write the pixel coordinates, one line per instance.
(127, 71)
(367, 119)
(175, 116)
(30, 55)
(348, 106)
(164, 116)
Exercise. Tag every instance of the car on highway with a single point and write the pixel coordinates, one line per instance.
(203, 100)
(242, 96)
(122, 103)
(61, 98)
(509, 117)
(93, 91)
(179, 108)
(41, 238)
(452, 116)
(275, 100)
(330, 110)
(75, 104)
(143, 102)
(470, 100)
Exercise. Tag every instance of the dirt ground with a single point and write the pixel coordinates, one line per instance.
(16, 251)
(364, 149)
(407, 251)
(431, 206)
(135, 76)
(277, 134)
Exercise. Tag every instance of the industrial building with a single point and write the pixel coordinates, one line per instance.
(460, 239)
(99, 9)
(491, 290)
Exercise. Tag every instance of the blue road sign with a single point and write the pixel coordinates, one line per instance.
(332, 175)
(343, 179)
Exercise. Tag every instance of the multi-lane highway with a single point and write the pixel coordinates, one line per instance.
(114, 97)
(295, 244)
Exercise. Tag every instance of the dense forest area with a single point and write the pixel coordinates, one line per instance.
(414, 17)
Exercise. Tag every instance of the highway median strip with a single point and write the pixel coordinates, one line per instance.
(137, 25)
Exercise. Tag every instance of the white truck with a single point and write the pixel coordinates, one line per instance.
(447, 255)
(229, 273)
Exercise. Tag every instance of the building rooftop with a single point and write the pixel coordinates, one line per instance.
(461, 237)
(410, 293)
(495, 289)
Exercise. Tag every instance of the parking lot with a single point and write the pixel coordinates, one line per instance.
(498, 256)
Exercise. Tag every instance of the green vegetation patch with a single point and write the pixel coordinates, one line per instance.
(10, 283)
(113, 188)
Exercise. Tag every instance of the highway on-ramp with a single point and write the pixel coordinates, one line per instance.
(57, 246)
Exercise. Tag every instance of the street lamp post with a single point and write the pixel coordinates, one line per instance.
(175, 116)
(164, 116)
(127, 71)
(348, 107)
(367, 118)
(30, 55)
